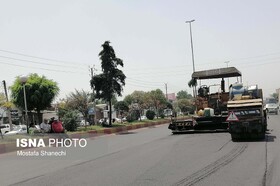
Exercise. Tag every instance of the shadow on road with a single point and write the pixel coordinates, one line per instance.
(125, 133)
(200, 132)
(268, 138)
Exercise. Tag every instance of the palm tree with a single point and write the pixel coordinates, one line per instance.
(80, 100)
(193, 83)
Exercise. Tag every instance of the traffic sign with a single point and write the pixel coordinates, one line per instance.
(232, 117)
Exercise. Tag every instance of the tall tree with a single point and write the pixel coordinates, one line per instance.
(128, 99)
(157, 100)
(185, 105)
(112, 80)
(121, 107)
(40, 93)
(139, 98)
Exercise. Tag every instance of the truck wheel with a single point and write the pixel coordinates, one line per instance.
(262, 136)
(235, 137)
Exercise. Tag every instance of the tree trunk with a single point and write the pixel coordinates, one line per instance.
(39, 117)
(110, 112)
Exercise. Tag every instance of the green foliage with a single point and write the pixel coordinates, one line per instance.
(40, 92)
(183, 95)
(69, 120)
(185, 105)
(2, 99)
(150, 114)
(157, 100)
(112, 80)
(121, 106)
(128, 99)
(192, 82)
(169, 105)
(275, 95)
(80, 101)
(4, 103)
(129, 118)
(61, 108)
(133, 116)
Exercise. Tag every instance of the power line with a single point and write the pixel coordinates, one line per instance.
(48, 59)
(252, 57)
(40, 68)
(144, 82)
(36, 62)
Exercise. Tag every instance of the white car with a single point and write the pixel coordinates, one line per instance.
(84, 123)
(117, 120)
(18, 129)
(142, 118)
(6, 127)
(272, 108)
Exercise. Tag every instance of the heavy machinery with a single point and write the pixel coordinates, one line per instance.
(247, 116)
(211, 108)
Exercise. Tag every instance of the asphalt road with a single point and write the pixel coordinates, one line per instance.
(153, 156)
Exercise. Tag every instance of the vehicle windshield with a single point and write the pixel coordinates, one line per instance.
(271, 105)
(271, 100)
(16, 128)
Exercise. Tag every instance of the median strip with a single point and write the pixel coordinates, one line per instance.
(10, 145)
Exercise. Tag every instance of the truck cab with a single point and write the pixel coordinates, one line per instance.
(249, 115)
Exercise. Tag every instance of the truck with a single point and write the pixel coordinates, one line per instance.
(247, 117)
(211, 107)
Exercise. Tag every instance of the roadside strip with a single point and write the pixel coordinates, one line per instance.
(11, 146)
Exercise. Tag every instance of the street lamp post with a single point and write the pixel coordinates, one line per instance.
(23, 81)
(190, 23)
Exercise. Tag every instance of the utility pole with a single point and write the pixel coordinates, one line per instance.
(92, 69)
(8, 109)
(190, 23)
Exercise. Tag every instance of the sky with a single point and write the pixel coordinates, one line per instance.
(62, 39)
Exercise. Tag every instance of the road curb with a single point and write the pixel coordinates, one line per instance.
(11, 147)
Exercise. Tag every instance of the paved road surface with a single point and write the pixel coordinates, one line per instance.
(153, 156)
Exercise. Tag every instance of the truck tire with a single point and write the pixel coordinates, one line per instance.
(262, 136)
(235, 137)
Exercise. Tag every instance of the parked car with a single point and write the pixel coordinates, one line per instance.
(117, 120)
(103, 121)
(18, 129)
(84, 123)
(5, 128)
(142, 118)
(272, 108)
(124, 119)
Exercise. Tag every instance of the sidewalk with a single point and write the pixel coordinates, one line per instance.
(11, 146)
